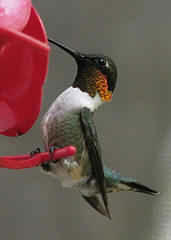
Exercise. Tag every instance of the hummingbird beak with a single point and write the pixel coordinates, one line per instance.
(76, 55)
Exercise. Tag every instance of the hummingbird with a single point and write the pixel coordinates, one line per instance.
(69, 121)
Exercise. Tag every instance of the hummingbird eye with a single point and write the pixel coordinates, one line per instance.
(102, 61)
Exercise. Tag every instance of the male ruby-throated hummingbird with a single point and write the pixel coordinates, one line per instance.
(69, 121)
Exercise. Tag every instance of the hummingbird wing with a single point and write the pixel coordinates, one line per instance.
(96, 204)
(94, 152)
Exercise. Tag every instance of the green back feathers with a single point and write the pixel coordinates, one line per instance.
(113, 178)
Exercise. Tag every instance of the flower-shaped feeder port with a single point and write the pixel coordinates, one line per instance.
(24, 63)
(24, 53)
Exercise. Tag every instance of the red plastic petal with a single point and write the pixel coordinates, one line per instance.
(14, 14)
(24, 61)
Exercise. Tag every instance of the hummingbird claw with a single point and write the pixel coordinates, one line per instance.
(46, 166)
(51, 151)
(36, 151)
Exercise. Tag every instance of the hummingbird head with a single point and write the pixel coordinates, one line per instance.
(96, 74)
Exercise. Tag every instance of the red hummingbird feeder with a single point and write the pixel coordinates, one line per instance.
(24, 54)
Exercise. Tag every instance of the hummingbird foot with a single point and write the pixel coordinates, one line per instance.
(51, 151)
(46, 166)
(36, 151)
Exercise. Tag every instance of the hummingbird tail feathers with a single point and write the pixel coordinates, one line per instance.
(137, 187)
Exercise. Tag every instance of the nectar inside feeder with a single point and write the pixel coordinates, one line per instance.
(24, 53)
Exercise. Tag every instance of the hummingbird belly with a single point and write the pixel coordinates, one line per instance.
(60, 131)
(67, 171)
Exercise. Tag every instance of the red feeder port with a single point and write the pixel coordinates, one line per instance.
(24, 53)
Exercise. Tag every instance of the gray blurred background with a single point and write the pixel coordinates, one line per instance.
(135, 128)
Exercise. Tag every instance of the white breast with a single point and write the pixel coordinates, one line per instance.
(73, 98)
